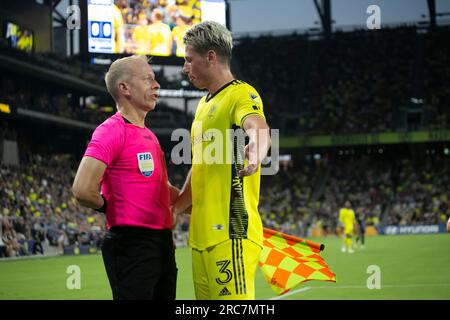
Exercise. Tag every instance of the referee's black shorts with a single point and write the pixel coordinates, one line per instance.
(140, 263)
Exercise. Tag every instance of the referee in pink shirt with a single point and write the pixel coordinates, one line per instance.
(125, 161)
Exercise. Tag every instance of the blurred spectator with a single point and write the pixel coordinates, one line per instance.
(142, 35)
(178, 32)
(160, 35)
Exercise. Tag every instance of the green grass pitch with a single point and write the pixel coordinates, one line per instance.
(411, 267)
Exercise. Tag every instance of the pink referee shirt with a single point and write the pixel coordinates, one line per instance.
(135, 180)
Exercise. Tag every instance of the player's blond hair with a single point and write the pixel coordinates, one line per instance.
(210, 35)
(119, 71)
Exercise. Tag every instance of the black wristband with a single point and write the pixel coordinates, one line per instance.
(103, 207)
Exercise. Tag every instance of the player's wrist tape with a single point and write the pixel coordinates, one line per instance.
(103, 207)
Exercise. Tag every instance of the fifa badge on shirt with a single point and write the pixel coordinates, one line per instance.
(145, 162)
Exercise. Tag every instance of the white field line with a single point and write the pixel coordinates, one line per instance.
(362, 287)
(290, 293)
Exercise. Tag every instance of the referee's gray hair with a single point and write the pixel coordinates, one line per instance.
(210, 35)
(120, 70)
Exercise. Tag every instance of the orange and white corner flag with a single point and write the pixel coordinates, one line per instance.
(286, 261)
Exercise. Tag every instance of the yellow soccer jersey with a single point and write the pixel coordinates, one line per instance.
(25, 42)
(160, 39)
(118, 30)
(142, 37)
(224, 206)
(178, 33)
(347, 218)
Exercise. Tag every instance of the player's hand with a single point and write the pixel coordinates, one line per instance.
(248, 170)
(251, 168)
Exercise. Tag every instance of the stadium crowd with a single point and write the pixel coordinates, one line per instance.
(353, 82)
(422, 194)
(338, 87)
(38, 210)
(382, 191)
(42, 97)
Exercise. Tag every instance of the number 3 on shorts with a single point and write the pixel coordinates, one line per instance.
(223, 265)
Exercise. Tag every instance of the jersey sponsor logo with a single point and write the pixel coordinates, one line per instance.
(211, 111)
(145, 163)
(218, 227)
(208, 136)
(224, 292)
(255, 99)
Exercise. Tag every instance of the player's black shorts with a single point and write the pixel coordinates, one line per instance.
(140, 263)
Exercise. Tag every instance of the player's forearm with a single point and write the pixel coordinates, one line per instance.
(259, 145)
(264, 144)
(259, 139)
(184, 200)
(173, 192)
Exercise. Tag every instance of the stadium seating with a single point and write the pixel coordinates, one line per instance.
(38, 193)
(360, 81)
(385, 191)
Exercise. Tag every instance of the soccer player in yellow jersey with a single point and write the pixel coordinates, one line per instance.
(25, 41)
(347, 219)
(160, 35)
(178, 33)
(225, 230)
(119, 31)
(185, 7)
(142, 35)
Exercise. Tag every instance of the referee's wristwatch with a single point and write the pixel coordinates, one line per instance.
(103, 207)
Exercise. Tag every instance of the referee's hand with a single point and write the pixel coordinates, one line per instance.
(175, 216)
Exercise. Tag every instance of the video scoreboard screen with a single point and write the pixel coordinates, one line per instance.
(152, 27)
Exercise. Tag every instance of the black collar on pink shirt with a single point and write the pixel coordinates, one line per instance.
(126, 120)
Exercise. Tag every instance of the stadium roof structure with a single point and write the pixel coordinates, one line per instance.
(327, 24)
